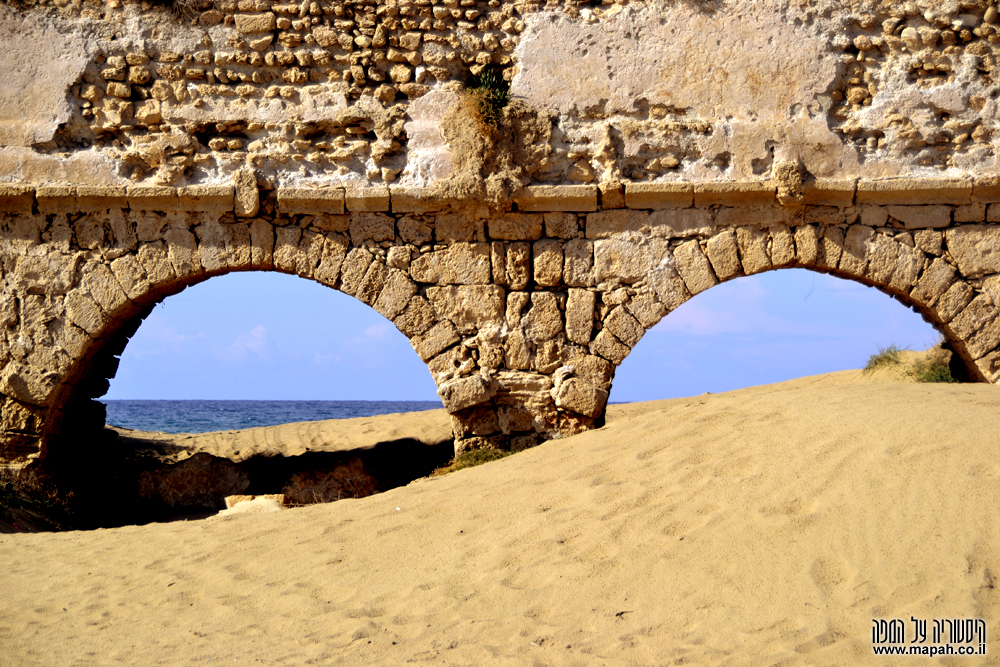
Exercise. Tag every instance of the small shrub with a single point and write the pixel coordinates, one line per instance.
(471, 459)
(886, 356)
(491, 93)
(935, 369)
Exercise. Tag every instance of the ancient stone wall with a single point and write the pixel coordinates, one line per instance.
(522, 316)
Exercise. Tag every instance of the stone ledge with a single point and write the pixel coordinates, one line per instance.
(100, 198)
(56, 199)
(206, 197)
(414, 200)
(551, 198)
(360, 200)
(152, 198)
(986, 189)
(292, 201)
(739, 193)
(829, 192)
(16, 198)
(657, 196)
(915, 191)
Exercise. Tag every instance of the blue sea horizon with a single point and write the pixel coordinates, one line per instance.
(201, 416)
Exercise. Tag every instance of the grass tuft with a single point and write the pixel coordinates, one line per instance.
(886, 356)
(471, 459)
(491, 92)
(935, 369)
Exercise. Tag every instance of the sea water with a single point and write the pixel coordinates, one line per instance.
(202, 416)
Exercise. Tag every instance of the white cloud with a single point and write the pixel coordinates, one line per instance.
(254, 341)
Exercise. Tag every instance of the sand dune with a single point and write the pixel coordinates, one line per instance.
(763, 526)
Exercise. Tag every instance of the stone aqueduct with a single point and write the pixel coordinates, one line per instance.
(649, 152)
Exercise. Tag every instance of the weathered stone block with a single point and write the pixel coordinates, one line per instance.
(596, 370)
(16, 198)
(974, 213)
(578, 263)
(933, 283)
(609, 347)
(723, 254)
(659, 195)
(516, 303)
(296, 201)
(369, 199)
(854, 260)
(829, 192)
(414, 200)
(543, 320)
(830, 248)
(396, 294)
(85, 313)
(414, 231)
(782, 245)
(921, 217)
(604, 224)
(954, 300)
(561, 225)
(518, 265)
(130, 276)
(353, 270)
(626, 259)
(372, 227)
(915, 191)
(548, 260)
(753, 249)
(416, 318)
(286, 248)
(883, 252)
(429, 344)
(985, 340)
(557, 198)
(679, 223)
(102, 198)
(373, 282)
(458, 264)
(516, 353)
(734, 193)
(976, 249)
(246, 197)
(56, 199)
(647, 309)
(261, 244)
(182, 249)
(806, 244)
(757, 216)
(454, 227)
(470, 307)
(155, 262)
(612, 195)
(909, 264)
(465, 392)
(580, 316)
(103, 287)
(580, 397)
(625, 327)
(692, 265)
(929, 241)
(250, 24)
(516, 227)
(973, 317)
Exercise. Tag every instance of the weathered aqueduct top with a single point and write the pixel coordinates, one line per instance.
(649, 151)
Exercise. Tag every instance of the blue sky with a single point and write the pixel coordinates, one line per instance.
(274, 336)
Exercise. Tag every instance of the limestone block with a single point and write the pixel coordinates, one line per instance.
(498, 262)
(883, 251)
(757, 216)
(84, 312)
(331, 259)
(578, 263)
(734, 193)
(353, 270)
(974, 316)
(594, 369)
(398, 257)
(826, 215)
(286, 248)
(103, 287)
(693, 267)
(295, 201)
(580, 315)
(975, 248)
(27, 384)
(414, 200)
(830, 247)
(929, 241)
(723, 254)
(516, 227)
(548, 259)
(372, 227)
(612, 195)
(516, 303)
(829, 192)
(625, 327)
(548, 355)
(609, 347)
(561, 225)
(458, 264)
(414, 230)
(655, 196)
(986, 189)
(954, 300)
(782, 245)
(921, 217)
(518, 265)
(99, 197)
(605, 224)
(647, 309)
(626, 259)
(250, 24)
(557, 198)
(985, 340)
(679, 223)
(909, 263)
(989, 366)
(261, 244)
(915, 191)
(516, 353)
(56, 199)
(932, 284)
(212, 246)
(806, 244)
(975, 212)
(327, 222)
(429, 344)
(156, 263)
(854, 260)
(453, 363)
(469, 307)
(51, 273)
(182, 249)
(246, 200)
(543, 320)
(753, 249)
(131, 276)
(454, 227)
(370, 199)
(239, 245)
(373, 282)
(216, 198)
(874, 216)
(580, 397)
(16, 198)
(309, 253)
(416, 318)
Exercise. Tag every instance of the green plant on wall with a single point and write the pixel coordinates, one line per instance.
(491, 93)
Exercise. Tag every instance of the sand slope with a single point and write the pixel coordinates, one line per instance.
(759, 527)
